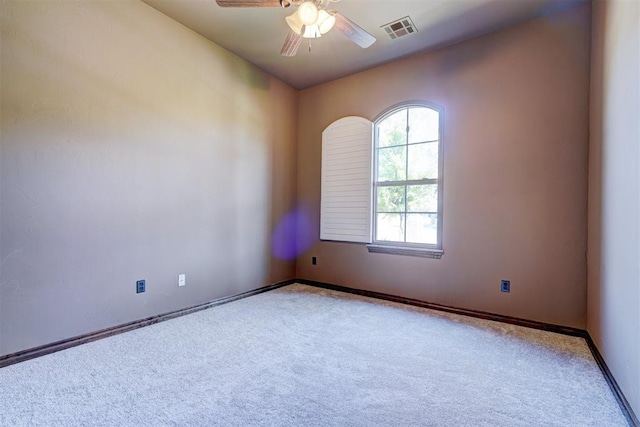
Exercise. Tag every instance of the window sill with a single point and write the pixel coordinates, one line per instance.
(405, 250)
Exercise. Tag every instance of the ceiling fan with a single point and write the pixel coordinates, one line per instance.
(311, 20)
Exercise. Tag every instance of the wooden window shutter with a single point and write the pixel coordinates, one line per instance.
(346, 198)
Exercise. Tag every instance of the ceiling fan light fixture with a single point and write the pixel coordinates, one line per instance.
(294, 23)
(326, 21)
(311, 32)
(308, 13)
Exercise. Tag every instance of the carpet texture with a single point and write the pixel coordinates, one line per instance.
(303, 356)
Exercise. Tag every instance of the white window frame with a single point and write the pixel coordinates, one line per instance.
(403, 248)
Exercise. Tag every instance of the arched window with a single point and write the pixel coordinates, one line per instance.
(408, 177)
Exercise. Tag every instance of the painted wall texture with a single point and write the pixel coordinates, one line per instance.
(516, 106)
(614, 192)
(132, 148)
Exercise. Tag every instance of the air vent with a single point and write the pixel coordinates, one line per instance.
(400, 28)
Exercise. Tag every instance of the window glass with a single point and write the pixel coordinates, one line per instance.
(423, 125)
(391, 199)
(407, 181)
(422, 228)
(423, 160)
(393, 131)
(390, 227)
(392, 163)
(422, 198)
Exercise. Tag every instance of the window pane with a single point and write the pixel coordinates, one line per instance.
(423, 124)
(423, 161)
(390, 227)
(393, 129)
(422, 198)
(392, 163)
(391, 199)
(422, 228)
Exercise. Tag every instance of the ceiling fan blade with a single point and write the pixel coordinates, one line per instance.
(253, 3)
(291, 44)
(353, 31)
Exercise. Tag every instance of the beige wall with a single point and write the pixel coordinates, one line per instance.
(515, 193)
(131, 148)
(614, 192)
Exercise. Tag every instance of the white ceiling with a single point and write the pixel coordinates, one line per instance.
(257, 34)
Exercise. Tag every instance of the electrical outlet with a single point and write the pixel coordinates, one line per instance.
(505, 286)
(314, 260)
(140, 286)
(182, 280)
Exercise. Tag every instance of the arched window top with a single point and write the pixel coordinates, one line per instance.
(408, 105)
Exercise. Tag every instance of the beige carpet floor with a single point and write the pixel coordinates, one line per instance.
(302, 356)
